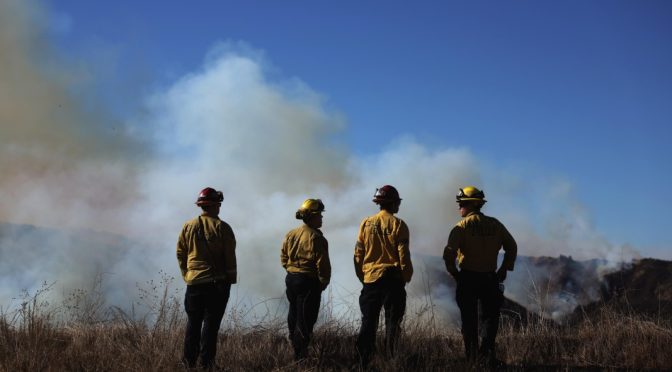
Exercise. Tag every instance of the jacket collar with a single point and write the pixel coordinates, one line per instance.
(384, 212)
(475, 213)
(305, 226)
(206, 214)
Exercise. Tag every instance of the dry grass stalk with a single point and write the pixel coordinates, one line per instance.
(82, 335)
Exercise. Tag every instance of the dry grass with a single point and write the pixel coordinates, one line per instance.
(610, 340)
(81, 335)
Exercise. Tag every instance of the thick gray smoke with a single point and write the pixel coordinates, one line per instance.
(267, 144)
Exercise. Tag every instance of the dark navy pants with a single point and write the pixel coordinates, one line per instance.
(387, 292)
(304, 293)
(472, 288)
(205, 305)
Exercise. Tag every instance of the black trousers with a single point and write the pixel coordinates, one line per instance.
(304, 293)
(387, 292)
(205, 305)
(473, 287)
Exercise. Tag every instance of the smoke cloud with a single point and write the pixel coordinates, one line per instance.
(61, 166)
(113, 193)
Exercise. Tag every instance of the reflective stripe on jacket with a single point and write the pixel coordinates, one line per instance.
(382, 243)
(206, 251)
(475, 242)
(305, 250)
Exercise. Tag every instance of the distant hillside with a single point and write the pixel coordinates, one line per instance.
(562, 288)
(645, 287)
(642, 286)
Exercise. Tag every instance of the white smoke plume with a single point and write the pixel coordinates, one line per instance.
(117, 194)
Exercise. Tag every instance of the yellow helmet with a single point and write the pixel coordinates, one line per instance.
(309, 206)
(470, 193)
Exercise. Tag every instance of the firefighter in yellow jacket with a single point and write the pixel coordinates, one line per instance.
(207, 259)
(474, 243)
(305, 256)
(383, 265)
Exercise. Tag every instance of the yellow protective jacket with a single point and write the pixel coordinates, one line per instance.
(382, 243)
(206, 251)
(305, 250)
(475, 242)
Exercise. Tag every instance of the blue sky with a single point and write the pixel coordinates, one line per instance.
(579, 90)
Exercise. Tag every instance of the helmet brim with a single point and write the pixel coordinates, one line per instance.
(470, 199)
(207, 203)
(378, 201)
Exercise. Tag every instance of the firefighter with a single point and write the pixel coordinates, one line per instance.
(305, 256)
(475, 243)
(207, 259)
(383, 265)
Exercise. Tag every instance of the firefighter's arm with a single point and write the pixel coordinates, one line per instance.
(510, 250)
(359, 253)
(182, 252)
(403, 241)
(284, 256)
(359, 260)
(323, 264)
(450, 251)
(230, 264)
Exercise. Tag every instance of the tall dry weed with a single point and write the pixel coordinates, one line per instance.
(83, 334)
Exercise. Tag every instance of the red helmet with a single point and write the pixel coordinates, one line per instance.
(209, 196)
(386, 194)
